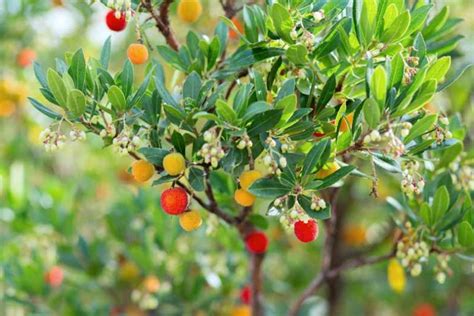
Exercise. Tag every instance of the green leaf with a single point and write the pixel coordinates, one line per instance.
(425, 213)
(453, 79)
(178, 142)
(154, 155)
(327, 93)
(297, 54)
(39, 73)
(254, 109)
(196, 179)
(449, 155)
(192, 86)
(105, 53)
(378, 85)
(440, 203)
(282, 21)
(57, 87)
(171, 57)
(397, 29)
(386, 163)
(466, 234)
(288, 105)
(76, 103)
(43, 109)
(313, 158)
(436, 23)
(269, 188)
(225, 112)
(439, 69)
(424, 95)
(127, 78)
(264, 121)
(117, 99)
(250, 25)
(77, 70)
(422, 126)
(336, 176)
(367, 20)
(371, 113)
(259, 221)
(396, 74)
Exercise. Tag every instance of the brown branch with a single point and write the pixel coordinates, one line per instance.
(256, 262)
(162, 21)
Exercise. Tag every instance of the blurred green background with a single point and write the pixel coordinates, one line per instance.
(78, 208)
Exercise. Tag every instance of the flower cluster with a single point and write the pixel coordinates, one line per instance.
(442, 268)
(52, 140)
(412, 253)
(317, 203)
(290, 217)
(126, 142)
(412, 182)
(244, 142)
(394, 146)
(372, 137)
(121, 7)
(212, 150)
(410, 69)
(272, 159)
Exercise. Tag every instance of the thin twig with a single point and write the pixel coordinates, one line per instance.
(162, 21)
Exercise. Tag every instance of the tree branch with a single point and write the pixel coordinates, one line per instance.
(162, 21)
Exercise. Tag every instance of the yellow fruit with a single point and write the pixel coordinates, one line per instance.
(190, 221)
(247, 178)
(7, 108)
(242, 310)
(174, 164)
(396, 276)
(189, 10)
(142, 170)
(346, 123)
(151, 284)
(244, 198)
(354, 235)
(327, 170)
(128, 271)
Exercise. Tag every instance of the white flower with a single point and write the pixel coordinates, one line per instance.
(282, 162)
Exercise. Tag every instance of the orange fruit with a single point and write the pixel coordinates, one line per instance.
(137, 53)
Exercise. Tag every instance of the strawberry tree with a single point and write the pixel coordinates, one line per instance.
(315, 94)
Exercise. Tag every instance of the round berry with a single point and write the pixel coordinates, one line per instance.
(151, 284)
(174, 201)
(114, 23)
(54, 277)
(25, 57)
(306, 231)
(190, 221)
(243, 310)
(246, 295)
(247, 178)
(174, 164)
(233, 34)
(189, 10)
(142, 170)
(424, 309)
(256, 242)
(137, 53)
(244, 198)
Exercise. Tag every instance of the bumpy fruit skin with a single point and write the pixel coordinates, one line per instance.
(190, 221)
(174, 201)
(142, 170)
(25, 57)
(346, 123)
(396, 276)
(137, 53)
(327, 170)
(54, 277)
(174, 164)
(306, 231)
(151, 284)
(244, 198)
(424, 309)
(233, 34)
(243, 310)
(246, 295)
(256, 242)
(189, 10)
(247, 178)
(115, 24)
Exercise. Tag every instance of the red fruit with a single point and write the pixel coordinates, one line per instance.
(424, 309)
(174, 201)
(115, 24)
(54, 277)
(256, 242)
(318, 134)
(246, 295)
(306, 231)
